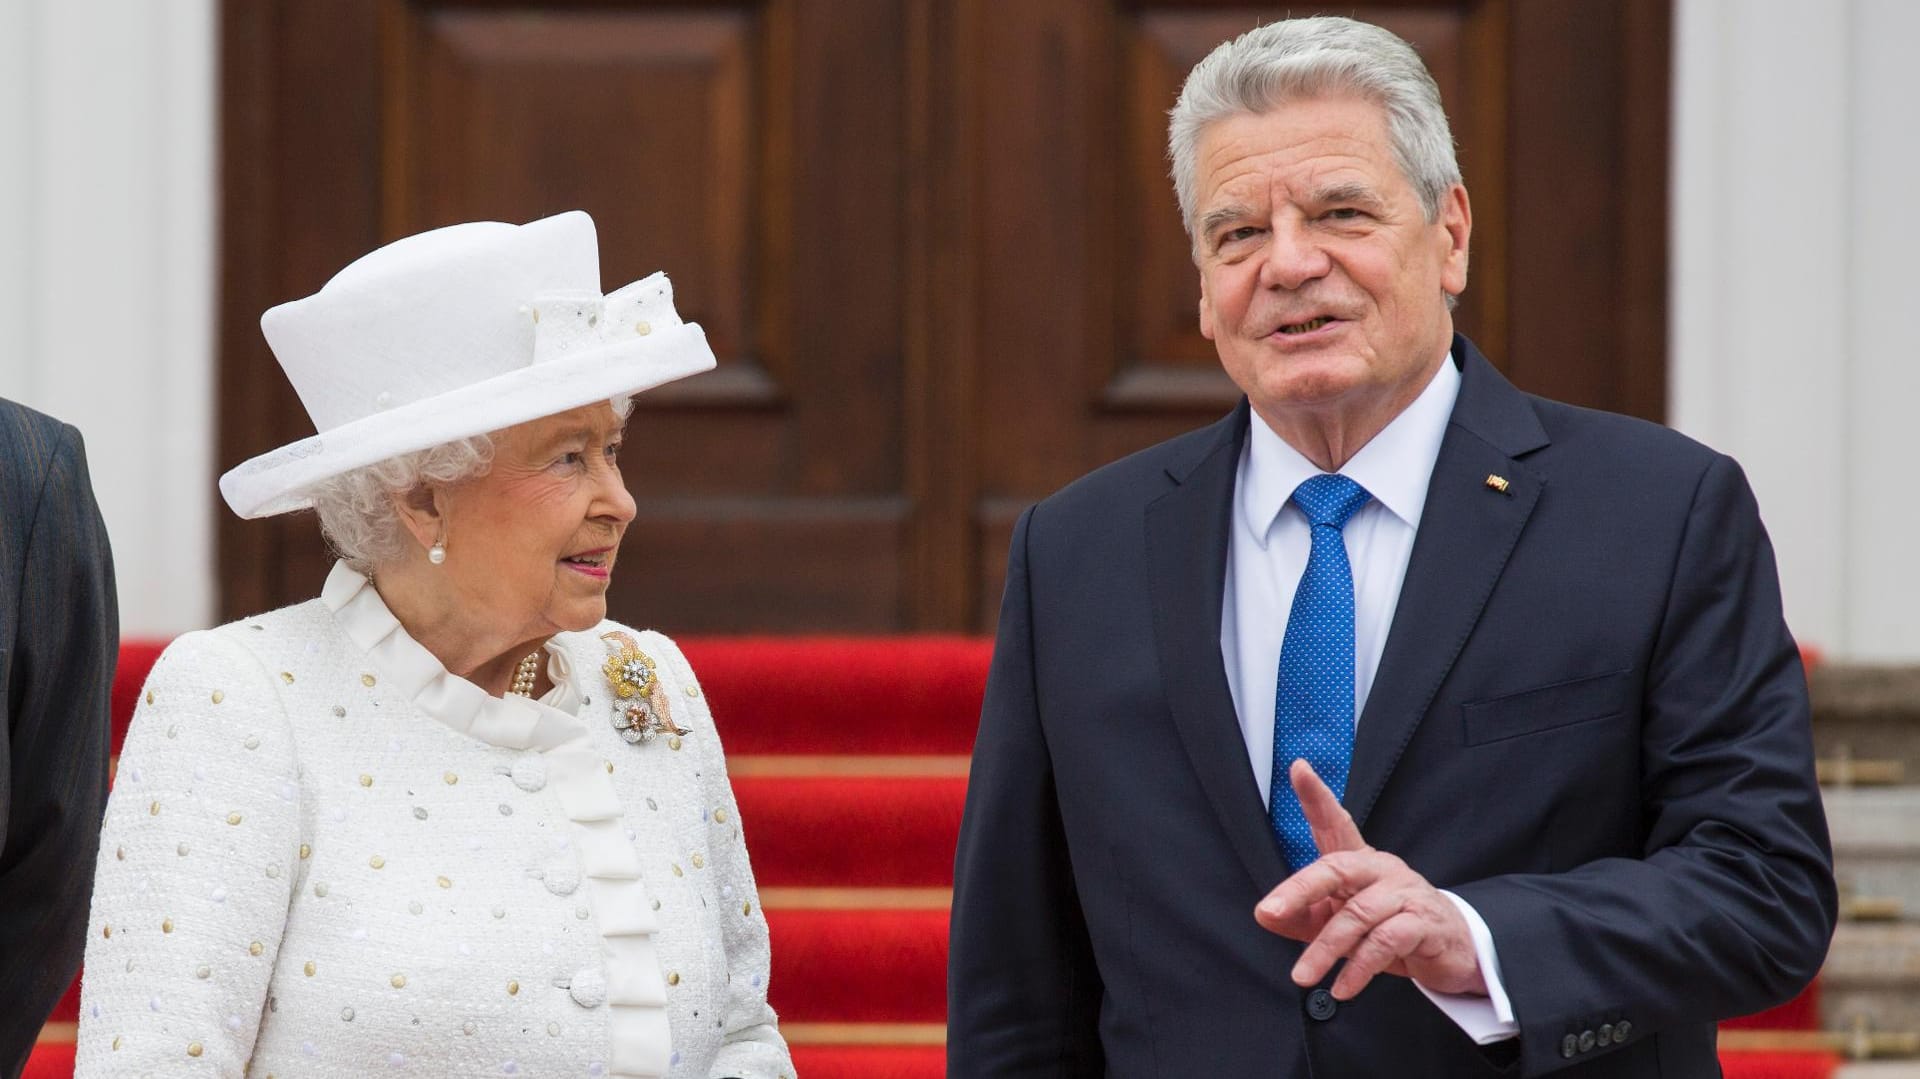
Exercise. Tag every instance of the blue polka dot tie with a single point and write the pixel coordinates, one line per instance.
(1313, 702)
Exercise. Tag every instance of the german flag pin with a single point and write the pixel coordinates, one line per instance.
(1497, 483)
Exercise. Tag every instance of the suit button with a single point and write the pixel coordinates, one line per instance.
(1586, 1041)
(1606, 1035)
(1569, 1045)
(1321, 1005)
(1621, 1030)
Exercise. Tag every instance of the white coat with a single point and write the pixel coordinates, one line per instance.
(326, 856)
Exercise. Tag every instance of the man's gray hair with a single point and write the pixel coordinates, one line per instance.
(357, 514)
(1270, 65)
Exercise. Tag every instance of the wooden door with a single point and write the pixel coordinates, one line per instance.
(756, 151)
(932, 242)
(1087, 345)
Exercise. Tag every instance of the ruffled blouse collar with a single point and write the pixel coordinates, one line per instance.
(415, 673)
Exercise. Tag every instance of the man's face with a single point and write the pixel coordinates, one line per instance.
(1322, 284)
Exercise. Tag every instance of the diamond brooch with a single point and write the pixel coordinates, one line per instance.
(641, 711)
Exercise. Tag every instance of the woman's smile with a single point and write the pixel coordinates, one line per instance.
(596, 564)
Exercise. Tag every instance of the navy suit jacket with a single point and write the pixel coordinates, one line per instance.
(59, 638)
(1589, 721)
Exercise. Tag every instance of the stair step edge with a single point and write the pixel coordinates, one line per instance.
(785, 898)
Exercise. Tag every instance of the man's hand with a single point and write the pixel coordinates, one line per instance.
(1367, 907)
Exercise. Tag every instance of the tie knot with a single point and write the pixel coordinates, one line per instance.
(1330, 500)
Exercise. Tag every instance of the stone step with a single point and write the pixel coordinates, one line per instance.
(1867, 713)
(1866, 729)
(1859, 1044)
(1876, 846)
(1872, 976)
(1879, 1069)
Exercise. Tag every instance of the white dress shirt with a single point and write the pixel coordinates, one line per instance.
(1267, 551)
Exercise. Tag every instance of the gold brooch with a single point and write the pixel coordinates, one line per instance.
(634, 676)
(628, 669)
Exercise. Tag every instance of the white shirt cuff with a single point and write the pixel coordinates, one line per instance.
(1487, 1019)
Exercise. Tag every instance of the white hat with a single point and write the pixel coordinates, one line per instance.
(460, 331)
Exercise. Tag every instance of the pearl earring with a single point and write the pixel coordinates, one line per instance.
(437, 553)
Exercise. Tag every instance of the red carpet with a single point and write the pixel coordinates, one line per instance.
(1778, 1065)
(868, 832)
(50, 1061)
(835, 695)
(849, 761)
(859, 966)
(870, 1061)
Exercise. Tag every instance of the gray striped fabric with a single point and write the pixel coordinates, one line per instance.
(59, 637)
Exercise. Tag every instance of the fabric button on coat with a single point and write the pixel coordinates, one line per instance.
(1321, 1005)
(588, 987)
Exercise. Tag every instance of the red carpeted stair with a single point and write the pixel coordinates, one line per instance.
(844, 696)
(868, 1062)
(858, 965)
(860, 831)
(849, 760)
(1802, 1013)
(51, 1059)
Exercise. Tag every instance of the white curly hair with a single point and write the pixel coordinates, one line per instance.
(356, 508)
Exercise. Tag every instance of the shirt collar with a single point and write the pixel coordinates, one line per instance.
(417, 674)
(1395, 466)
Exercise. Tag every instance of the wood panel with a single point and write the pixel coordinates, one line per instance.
(300, 170)
(1587, 294)
(514, 116)
(933, 242)
(754, 150)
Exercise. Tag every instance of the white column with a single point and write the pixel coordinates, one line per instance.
(106, 291)
(1793, 245)
(1882, 434)
(19, 71)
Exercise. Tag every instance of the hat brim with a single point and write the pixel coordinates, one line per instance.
(275, 483)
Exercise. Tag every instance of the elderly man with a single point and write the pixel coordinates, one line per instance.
(59, 636)
(1400, 723)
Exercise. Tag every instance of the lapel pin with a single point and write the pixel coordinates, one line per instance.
(1497, 483)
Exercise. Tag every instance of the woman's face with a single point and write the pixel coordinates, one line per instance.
(531, 544)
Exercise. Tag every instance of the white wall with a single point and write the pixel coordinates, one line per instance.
(107, 190)
(1795, 288)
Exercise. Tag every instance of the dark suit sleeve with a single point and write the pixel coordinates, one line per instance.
(1731, 905)
(1023, 995)
(60, 677)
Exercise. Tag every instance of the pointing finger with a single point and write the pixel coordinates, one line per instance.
(1333, 827)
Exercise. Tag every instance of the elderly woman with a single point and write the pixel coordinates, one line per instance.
(446, 819)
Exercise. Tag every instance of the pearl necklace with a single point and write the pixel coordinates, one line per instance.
(524, 675)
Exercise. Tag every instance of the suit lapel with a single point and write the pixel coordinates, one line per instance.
(1467, 532)
(1186, 575)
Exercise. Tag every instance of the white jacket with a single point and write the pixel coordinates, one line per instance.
(327, 856)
